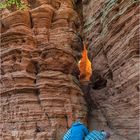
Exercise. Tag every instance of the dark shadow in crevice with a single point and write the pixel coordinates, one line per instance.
(79, 8)
(97, 80)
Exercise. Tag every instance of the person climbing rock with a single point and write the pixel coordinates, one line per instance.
(98, 135)
(78, 131)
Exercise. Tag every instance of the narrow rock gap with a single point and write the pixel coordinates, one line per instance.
(88, 83)
(31, 20)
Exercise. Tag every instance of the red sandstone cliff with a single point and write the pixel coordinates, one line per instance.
(40, 48)
(112, 29)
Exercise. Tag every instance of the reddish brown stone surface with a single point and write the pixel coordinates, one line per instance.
(111, 27)
(40, 49)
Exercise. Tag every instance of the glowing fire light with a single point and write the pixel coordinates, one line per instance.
(85, 66)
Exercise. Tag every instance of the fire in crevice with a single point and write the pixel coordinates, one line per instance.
(85, 66)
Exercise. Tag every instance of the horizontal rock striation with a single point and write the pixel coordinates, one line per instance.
(111, 28)
(40, 94)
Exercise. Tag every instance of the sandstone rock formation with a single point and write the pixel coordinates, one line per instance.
(111, 27)
(40, 49)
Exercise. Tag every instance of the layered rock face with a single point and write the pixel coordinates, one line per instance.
(40, 48)
(111, 27)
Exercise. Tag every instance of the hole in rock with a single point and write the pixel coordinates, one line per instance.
(98, 81)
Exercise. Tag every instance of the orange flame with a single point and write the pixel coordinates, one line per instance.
(85, 66)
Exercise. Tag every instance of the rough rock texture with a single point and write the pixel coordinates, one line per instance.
(40, 49)
(111, 27)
